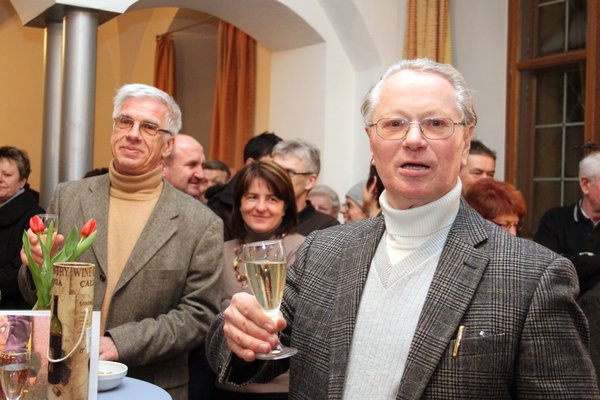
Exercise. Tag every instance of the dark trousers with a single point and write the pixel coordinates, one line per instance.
(225, 395)
(202, 377)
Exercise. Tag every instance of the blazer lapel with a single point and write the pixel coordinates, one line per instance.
(158, 230)
(454, 283)
(353, 269)
(95, 205)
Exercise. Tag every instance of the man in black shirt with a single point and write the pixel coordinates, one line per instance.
(573, 231)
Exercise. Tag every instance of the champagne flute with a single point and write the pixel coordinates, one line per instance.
(49, 220)
(14, 372)
(266, 267)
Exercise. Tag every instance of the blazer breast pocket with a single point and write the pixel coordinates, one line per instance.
(485, 353)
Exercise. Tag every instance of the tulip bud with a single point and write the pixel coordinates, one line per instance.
(36, 224)
(88, 228)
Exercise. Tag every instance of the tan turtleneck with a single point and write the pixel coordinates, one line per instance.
(132, 199)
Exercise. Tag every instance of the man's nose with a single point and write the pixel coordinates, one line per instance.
(414, 136)
(135, 132)
(199, 173)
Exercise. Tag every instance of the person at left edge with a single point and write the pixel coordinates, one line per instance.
(17, 205)
(158, 253)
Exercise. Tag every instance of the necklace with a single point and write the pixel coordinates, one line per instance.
(241, 278)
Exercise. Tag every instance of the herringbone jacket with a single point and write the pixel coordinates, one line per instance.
(517, 292)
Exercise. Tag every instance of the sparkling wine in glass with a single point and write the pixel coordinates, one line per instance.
(14, 372)
(266, 268)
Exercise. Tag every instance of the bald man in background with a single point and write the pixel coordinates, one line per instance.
(183, 167)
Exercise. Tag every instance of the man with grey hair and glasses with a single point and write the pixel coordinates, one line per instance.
(427, 300)
(573, 231)
(302, 162)
(158, 253)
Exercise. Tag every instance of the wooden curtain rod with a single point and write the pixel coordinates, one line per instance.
(187, 26)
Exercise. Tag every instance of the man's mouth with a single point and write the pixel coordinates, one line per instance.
(130, 149)
(415, 166)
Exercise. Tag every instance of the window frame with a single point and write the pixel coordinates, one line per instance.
(520, 117)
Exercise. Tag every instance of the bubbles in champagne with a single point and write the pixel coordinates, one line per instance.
(267, 280)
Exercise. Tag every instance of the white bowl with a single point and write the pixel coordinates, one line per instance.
(110, 374)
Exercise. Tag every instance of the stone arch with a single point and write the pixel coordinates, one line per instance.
(270, 22)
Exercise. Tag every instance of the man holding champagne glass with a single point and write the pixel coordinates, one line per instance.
(427, 300)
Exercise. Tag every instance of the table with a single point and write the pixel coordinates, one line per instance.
(131, 388)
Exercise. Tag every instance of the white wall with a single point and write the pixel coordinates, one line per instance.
(298, 93)
(338, 128)
(316, 90)
(479, 30)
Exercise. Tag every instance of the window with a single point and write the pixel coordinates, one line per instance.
(552, 103)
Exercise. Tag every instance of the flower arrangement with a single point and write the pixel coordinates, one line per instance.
(75, 244)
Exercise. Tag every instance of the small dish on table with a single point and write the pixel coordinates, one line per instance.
(110, 374)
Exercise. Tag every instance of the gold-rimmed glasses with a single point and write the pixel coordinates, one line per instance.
(432, 128)
(124, 123)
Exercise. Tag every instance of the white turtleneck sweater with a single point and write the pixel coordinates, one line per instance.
(401, 272)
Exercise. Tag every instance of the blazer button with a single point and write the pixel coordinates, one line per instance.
(102, 277)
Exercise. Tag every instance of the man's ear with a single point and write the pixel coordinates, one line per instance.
(168, 147)
(311, 182)
(467, 146)
(584, 184)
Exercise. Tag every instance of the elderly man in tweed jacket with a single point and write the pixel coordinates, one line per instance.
(427, 300)
(158, 253)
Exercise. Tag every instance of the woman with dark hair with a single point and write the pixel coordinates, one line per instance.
(499, 202)
(264, 207)
(17, 205)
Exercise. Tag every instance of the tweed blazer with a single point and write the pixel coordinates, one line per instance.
(169, 290)
(525, 337)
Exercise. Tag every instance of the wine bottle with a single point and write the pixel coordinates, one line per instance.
(55, 368)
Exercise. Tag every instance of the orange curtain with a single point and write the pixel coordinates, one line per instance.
(428, 31)
(234, 103)
(164, 64)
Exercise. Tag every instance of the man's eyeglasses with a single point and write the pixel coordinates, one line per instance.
(434, 128)
(126, 124)
(293, 173)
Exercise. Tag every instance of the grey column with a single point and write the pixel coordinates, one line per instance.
(79, 94)
(52, 102)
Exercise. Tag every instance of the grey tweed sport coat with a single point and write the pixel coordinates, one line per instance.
(521, 294)
(169, 290)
